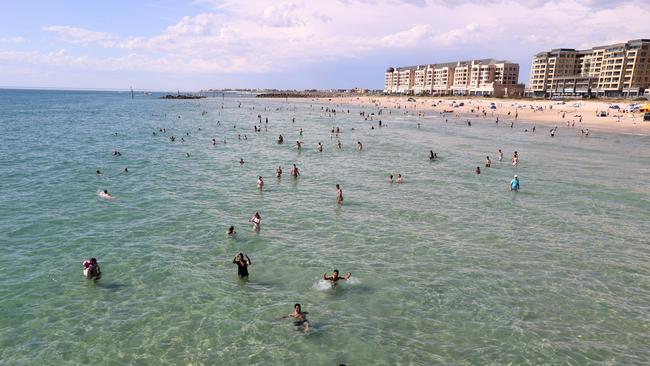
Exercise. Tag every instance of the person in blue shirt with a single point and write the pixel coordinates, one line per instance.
(514, 184)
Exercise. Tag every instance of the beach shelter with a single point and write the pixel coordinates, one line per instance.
(645, 108)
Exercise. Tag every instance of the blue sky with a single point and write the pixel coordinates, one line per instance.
(191, 45)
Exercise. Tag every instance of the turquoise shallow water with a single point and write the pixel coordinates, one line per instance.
(448, 268)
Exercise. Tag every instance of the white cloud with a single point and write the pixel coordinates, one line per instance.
(13, 40)
(82, 36)
(274, 35)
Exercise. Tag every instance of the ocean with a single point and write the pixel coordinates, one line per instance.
(449, 267)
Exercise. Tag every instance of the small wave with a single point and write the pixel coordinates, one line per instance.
(353, 281)
(322, 285)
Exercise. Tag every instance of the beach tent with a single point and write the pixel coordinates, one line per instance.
(645, 108)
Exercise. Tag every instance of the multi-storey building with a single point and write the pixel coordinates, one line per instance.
(487, 77)
(616, 70)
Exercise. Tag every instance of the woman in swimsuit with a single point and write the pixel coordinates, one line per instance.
(256, 220)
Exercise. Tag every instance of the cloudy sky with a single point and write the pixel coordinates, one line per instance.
(191, 45)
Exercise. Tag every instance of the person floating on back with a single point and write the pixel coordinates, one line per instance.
(106, 195)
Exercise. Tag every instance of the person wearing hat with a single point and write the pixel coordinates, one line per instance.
(514, 183)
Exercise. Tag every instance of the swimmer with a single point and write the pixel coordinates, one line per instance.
(256, 220)
(278, 172)
(335, 277)
(514, 184)
(187, 155)
(338, 144)
(241, 161)
(260, 182)
(280, 139)
(126, 170)
(478, 170)
(319, 147)
(339, 194)
(300, 318)
(298, 145)
(242, 261)
(400, 179)
(294, 171)
(500, 155)
(390, 178)
(432, 155)
(231, 231)
(106, 195)
(91, 268)
(488, 162)
(99, 173)
(359, 146)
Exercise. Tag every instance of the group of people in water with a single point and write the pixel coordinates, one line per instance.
(91, 267)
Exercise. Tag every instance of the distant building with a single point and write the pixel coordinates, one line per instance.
(487, 77)
(617, 70)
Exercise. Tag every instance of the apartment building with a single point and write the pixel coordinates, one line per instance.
(487, 77)
(617, 70)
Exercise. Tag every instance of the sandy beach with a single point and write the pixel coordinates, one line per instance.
(582, 114)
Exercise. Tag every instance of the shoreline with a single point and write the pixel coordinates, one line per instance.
(546, 113)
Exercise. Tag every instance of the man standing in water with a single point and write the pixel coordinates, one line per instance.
(242, 261)
(514, 184)
(339, 194)
(300, 318)
(335, 277)
(294, 171)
